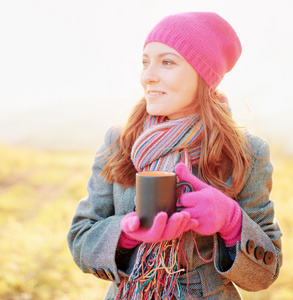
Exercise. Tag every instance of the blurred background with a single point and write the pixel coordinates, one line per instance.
(69, 69)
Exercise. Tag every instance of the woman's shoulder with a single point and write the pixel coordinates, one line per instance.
(258, 146)
(110, 137)
(112, 134)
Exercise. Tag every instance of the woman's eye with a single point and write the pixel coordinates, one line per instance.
(168, 62)
(145, 63)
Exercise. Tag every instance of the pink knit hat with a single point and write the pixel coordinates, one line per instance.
(207, 42)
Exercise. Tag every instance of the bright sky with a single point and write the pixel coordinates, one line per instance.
(69, 69)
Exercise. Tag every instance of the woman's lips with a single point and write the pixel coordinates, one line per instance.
(153, 94)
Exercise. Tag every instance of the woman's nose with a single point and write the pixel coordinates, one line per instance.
(150, 74)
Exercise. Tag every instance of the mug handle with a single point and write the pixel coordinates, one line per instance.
(179, 208)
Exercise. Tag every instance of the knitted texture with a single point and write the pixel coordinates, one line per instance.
(233, 233)
(162, 146)
(214, 211)
(151, 151)
(125, 241)
(207, 42)
(162, 229)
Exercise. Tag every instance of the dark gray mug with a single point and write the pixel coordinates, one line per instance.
(155, 192)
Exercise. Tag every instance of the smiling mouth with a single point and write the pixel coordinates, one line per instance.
(154, 93)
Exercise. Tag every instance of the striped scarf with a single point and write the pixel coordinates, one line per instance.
(163, 144)
(160, 147)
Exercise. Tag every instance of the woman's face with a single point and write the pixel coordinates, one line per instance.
(169, 82)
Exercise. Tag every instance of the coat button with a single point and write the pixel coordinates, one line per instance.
(269, 257)
(109, 274)
(94, 272)
(250, 246)
(101, 274)
(259, 252)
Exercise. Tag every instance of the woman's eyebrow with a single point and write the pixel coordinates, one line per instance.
(163, 54)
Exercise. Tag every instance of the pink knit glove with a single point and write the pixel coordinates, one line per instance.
(161, 230)
(126, 242)
(214, 211)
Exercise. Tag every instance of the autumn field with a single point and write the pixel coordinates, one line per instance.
(39, 192)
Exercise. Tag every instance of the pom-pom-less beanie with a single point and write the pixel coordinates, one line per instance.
(207, 42)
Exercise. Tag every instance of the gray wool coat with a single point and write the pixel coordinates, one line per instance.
(95, 231)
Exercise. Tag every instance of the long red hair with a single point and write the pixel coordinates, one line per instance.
(223, 144)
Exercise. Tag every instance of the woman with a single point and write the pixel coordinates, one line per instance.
(226, 234)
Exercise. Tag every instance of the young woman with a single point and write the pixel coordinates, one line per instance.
(226, 235)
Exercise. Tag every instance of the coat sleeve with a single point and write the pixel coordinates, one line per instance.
(258, 255)
(95, 229)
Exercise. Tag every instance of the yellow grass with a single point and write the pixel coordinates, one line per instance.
(39, 192)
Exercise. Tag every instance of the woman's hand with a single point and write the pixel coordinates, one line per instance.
(214, 211)
(162, 228)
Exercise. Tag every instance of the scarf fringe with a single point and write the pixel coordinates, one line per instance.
(156, 272)
(161, 146)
